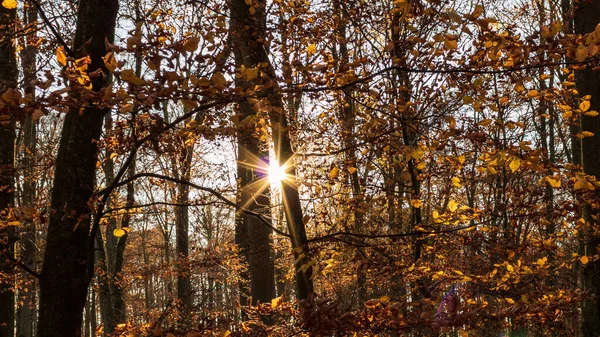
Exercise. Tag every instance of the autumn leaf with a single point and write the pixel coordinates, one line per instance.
(110, 62)
(515, 163)
(276, 302)
(118, 232)
(334, 173)
(129, 76)
(416, 203)
(584, 260)
(452, 205)
(311, 49)
(218, 80)
(9, 4)
(456, 182)
(581, 53)
(61, 57)
(191, 44)
(552, 181)
(584, 106)
(533, 93)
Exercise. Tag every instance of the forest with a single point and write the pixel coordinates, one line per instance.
(299, 168)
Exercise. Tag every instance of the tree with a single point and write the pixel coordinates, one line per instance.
(251, 52)
(68, 259)
(588, 83)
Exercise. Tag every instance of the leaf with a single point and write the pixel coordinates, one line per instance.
(584, 106)
(61, 57)
(510, 268)
(581, 53)
(118, 232)
(510, 300)
(485, 122)
(452, 205)
(552, 181)
(451, 44)
(456, 182)
(276, 302)
(110, 62)
(311, 49)
(591, 113)
(532, 93)
(334, 173)
(515, 163)
(218, 80)
(584, 260)
(9, 4)
(129, 76)
(351, 170)
(191, 44)
(416, 203)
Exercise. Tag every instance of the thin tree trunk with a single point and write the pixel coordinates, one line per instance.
(68, 259)
(8, 81)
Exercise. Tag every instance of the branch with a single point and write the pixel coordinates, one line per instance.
(215, 193)
(20, 264)
(61, 41)
(440, 71)
(333, 236)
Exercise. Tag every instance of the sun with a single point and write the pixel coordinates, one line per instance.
(276, 173)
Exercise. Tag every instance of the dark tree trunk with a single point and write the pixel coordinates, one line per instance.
(248, 32)
(8, 81)
(588, 83)
(68, 259)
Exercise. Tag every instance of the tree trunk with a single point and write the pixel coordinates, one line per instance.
(248, 31)
(25, 311)
(184, 288)
(68, 259)
(8, 81)
(588, 83)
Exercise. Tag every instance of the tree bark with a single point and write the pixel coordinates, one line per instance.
(68, 258)
(588, 83)
(25, 311)
(8, 81)
(248, 35)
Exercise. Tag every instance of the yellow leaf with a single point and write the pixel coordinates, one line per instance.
(276, 302)
(510, 300)
(524, 299)
(351, 170)
(9, 4)
(584, 106)
(515, 163)
(118, 232)
(384, 299)
(129, 76)
(416, 203)
(435, 215)
(14, 223)
(110, 62)
(584, 260)
(532, 93)
(456, 182)
(311, 49)
(553, 181)
(61, 57)
(334, 173)
(592, 113)
(452, 205)
(519, 88)
(509, 267)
